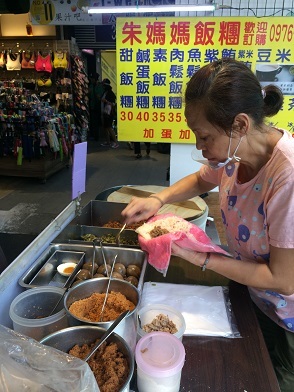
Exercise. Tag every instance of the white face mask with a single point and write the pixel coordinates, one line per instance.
(218, 165)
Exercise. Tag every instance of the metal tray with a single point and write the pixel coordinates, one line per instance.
(98, 213)
(126, 256)
(73, 234)
(44, 271)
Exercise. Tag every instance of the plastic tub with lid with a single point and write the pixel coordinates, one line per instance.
(30, 310)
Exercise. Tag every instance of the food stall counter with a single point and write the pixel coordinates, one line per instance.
(221, 364)
(215, 364)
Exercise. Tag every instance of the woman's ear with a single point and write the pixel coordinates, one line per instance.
(241, 124)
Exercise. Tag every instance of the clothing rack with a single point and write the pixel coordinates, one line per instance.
(39, 124)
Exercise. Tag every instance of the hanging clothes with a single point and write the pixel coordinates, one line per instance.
(2, 60)
(60, 60)
(53, 140)
(13, 62)
(28, 60)
(44, 81)
(43, 63)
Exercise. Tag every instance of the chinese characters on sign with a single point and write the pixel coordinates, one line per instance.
(52, 12)
(157, 57)
(72, 12)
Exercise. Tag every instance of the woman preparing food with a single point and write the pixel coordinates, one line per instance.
(253, 165)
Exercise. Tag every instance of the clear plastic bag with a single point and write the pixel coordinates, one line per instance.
(206, 309)
(27, 365)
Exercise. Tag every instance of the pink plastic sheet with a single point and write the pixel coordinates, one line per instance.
(159, 248)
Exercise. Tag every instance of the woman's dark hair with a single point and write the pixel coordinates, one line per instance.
(227, 87)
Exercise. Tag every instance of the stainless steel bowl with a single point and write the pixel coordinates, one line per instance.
(65, 339)
(127, 328)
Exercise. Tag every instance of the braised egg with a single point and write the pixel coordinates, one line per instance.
(66, 269)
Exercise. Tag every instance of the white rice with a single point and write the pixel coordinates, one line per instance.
(171, 224)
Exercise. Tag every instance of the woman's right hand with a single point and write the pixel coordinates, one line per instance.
(140, 209)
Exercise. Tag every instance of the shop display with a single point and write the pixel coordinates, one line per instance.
(38, 123)
(80, 95)
(28, 60)
(44, 63)
(32, 135)
(60, 60)
(13, 61)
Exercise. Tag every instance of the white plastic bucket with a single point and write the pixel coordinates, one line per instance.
(201, 220)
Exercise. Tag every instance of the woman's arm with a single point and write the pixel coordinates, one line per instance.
(278, 275)
(143, 208)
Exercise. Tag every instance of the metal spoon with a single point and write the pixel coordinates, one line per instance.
(107, 289)
(107, 334)
(117, 238)
(139, 321)
(66, 287)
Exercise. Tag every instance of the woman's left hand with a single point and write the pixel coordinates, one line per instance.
(196, 258)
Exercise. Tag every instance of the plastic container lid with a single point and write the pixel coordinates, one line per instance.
(160, 354)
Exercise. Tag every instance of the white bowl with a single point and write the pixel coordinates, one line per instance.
(149, 312)
(62, 268)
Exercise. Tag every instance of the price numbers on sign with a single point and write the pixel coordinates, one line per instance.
(152, 116)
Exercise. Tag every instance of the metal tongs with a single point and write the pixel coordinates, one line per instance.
(107, 289)
(107, 333)
(117, 238)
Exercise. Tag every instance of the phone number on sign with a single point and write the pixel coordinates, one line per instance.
(153, 116)
(281, 33)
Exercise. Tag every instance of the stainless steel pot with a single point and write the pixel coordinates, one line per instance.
(127, 329)
(65, 339)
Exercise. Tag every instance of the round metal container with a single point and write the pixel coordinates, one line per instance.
(127, 328)
(30, 310)
(65, 339)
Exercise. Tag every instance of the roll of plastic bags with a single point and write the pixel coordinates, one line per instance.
(27, 365)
